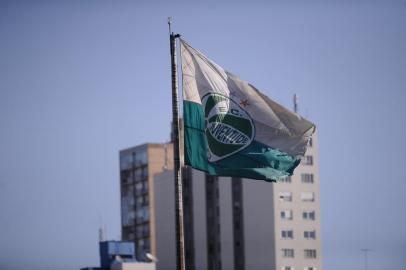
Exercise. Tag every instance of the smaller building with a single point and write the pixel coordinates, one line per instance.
(112, 250)
(119, 255)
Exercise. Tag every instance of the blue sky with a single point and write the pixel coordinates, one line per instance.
(80, 80)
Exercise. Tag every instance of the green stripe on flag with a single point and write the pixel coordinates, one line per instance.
(194, 137)
(257, 161)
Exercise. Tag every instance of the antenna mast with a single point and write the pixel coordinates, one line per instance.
(101, 235)
(295, 103)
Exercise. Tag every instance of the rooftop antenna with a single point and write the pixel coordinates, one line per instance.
(295, 103)
(101, 232)
(101, 235)
(102, 229)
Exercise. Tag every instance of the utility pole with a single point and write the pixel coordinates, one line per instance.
(365, 251)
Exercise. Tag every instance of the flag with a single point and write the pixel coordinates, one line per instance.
(232, 129)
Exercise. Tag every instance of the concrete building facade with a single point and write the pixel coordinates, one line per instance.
(138, 166)
(230, 223)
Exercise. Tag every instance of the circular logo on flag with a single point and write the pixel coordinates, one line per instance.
(229, 128)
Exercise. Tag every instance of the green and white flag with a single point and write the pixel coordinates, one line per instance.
(232, 129)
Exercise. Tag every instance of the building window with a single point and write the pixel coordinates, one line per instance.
(139, 200)
(138, 187)
(145, 200)
(307, 196)
(287, 179)
(145, 230)
(143, 214)
(310, 253)
(285, 196)
(308, 160)
(147, 245)
(144, 172)
(138, 231)
(126, 162)
(287, 234)
(140, 158)
(288, 252)
(310, 143)
(287, 214)
(287, 268)
(307, 178)
(311, 215)
(310, 268)
(140, 245)
(309, 234)
(138, 174)
(145, 187)
(131, 236)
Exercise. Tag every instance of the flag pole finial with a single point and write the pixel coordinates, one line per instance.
(170, 24)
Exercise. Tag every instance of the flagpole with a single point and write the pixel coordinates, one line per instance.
(180, 243)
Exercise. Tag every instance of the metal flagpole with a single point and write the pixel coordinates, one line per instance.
(180, 243)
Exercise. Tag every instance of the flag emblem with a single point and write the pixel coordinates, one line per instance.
(228, 127)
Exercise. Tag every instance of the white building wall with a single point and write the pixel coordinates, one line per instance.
(258, 225)
(262, 220)
(297, 224)
(165, 221)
